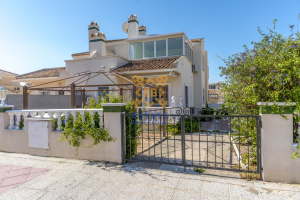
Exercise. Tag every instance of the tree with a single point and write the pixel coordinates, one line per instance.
(269, 72)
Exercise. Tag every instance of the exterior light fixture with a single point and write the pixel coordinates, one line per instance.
(3, 93)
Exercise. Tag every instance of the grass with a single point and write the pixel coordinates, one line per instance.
(199, 170)
(250, 176)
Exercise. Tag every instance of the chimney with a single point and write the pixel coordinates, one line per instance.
(142, 30)
(93, 28)
(133, 27)
(97, 44)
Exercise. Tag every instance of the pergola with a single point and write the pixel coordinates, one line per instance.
(84, 89)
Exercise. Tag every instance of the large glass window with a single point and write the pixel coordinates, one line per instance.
(149, 49)
(175, 46)
(136, 51)
(161, 48)
(188, 50)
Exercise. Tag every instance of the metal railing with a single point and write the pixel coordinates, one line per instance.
(230, 142)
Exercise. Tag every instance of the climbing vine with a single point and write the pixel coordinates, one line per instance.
(78, 130)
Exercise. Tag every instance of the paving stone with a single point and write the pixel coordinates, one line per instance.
(165, 181)
(189, 184)
(215, 197)
(84, 190)
(215, 188)
(185, 194)
(81, 179)
(240, 192)
(23, 193)
(104, 194)
(159, 193)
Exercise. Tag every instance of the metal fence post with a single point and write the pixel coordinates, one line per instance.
(25, 97)
(73, 97)
(183, 141)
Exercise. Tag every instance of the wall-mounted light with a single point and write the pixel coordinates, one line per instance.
(3, 93)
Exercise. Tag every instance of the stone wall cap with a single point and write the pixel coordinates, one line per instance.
(7, 106)
(114, 104)
(276, 103)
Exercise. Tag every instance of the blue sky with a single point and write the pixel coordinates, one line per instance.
(42, 34)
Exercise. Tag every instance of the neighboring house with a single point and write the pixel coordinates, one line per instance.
(6, 79)
(215, 96)
(43, 77)
(184, 61)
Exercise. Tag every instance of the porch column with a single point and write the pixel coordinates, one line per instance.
(277, 146)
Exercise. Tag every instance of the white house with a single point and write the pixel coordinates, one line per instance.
(184, 61)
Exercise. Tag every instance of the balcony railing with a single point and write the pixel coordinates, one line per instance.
(16, 116)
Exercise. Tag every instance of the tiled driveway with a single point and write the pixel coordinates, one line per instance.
(82, 179)
(12, 176)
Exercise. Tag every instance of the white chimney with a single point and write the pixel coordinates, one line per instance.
(142, 30)
(93, 28)
(133, 27)
(97, 44)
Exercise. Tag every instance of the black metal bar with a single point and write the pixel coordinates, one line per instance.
(222, 145)
(174, 139)
(192, 139)
(206, 147)
(231, 143)
(183, 142)
(248, 146)
(168, 141)
(239, 156)
(148, 136)
(215, 142)
(153, 123)
(160, 138)
(199, 140)
(130, 123)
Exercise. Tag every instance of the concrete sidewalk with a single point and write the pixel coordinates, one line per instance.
(81, 179)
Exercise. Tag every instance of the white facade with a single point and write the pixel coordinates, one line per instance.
(184, 80)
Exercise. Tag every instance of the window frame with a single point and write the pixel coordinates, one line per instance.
(167, 48)
(154, 49)
(169, 96)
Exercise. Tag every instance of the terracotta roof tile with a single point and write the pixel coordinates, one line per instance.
(147, 65)
(196, 40)
(43, 73)
(6, 73)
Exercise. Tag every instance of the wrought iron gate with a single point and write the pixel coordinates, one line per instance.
(222, 142)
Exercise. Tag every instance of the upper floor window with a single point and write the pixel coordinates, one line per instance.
(212, 87)
(149, 49)
(188, 50)
(175, 46)
(158, 48)
(136, 51)
(161, 48)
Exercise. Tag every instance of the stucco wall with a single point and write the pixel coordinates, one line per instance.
(277, 149)
(199, 77)
(94, 65)
(17, 141)
(186, 79)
